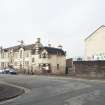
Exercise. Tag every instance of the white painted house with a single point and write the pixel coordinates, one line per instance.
(34, 58)
(95, 45)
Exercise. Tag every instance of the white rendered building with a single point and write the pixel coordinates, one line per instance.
(34, 58)
(95, 45)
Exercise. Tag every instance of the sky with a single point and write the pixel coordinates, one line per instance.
(65, 22)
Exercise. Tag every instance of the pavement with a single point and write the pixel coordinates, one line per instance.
(7, 91)
(46, 90)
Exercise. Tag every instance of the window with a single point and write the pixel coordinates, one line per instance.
(15, 63)
(8, 55)
(27, 54)
(2, 55)
(33, 60)
(2, 64)
(21, 54)
(40, 56)
(15, 55)
(27, 63)
(44, 55)
(58, 66)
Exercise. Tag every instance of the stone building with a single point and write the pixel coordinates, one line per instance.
(34, 58)
(94, 45)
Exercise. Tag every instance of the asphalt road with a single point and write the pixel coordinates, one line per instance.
(8, 91)
(45, 90)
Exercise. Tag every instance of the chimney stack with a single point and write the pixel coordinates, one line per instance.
(1, 48)
(49, 45)
(38, 40)
(60, 46)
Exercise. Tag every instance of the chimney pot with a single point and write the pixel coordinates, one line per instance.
(49, 45)
(60, 46)
(38, 40)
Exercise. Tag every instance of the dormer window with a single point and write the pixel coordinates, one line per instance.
(44, 55)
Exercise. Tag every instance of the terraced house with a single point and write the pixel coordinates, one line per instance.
(34, 58)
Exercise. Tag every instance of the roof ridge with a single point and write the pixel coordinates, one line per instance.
(17, 46)
(52, 47)
(94, 32)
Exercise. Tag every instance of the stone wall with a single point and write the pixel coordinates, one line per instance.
(89, 68)
(69, 67)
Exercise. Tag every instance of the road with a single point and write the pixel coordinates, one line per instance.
(46, 90)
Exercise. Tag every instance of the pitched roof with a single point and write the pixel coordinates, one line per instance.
(10, 48)
(94, 32)
(53, 50)
(29, 47)
(50, 50)
(26, 47)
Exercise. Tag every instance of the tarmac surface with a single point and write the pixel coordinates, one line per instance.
(7, 91)
(46, 90)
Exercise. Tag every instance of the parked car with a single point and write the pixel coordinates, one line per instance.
(9, 71)
(2, 71)
(12, 71)
(6, 71)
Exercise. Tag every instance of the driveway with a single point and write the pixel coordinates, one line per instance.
(46, 90)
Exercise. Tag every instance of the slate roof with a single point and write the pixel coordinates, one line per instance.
(26, 47)
(53, 50)
(10, 48)
(29, 47)
(50, 50)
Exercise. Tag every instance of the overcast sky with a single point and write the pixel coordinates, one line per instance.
(66, 22)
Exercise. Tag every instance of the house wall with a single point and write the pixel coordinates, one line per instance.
(4, 60)
(22, 61)
(94, 45)
(58, 60)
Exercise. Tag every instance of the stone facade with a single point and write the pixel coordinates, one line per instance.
(94, 45)
(34, 58)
